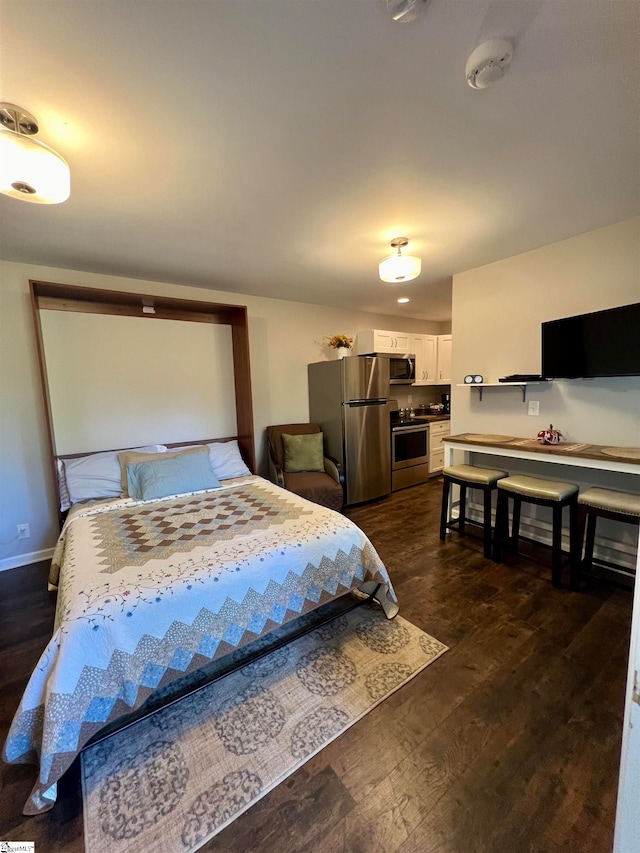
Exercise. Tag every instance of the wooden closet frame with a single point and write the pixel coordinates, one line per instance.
(47, 295)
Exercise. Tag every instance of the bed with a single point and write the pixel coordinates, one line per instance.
(150, 589)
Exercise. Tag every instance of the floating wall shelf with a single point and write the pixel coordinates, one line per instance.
(480, 386)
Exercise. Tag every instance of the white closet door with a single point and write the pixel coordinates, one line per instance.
(627, 837)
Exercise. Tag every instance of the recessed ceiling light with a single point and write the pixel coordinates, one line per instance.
(403, 300)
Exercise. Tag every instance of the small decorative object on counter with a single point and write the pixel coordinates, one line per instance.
(549, 436)
(341, 344)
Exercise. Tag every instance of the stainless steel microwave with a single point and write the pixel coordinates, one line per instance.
(402, 369)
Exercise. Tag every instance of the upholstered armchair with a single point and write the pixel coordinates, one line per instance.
(323, 483)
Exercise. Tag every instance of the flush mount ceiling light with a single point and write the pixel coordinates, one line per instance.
(404, 11)
(488, 63)
(403, 300)
(29, 169)
(400, 267)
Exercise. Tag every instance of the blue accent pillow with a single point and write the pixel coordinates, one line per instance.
(160, 478)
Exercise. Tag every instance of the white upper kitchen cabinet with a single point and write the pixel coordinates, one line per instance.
(417, 345)
(432, 352)
(377, 340)
(425, 349)
(433, 359)
(444, 358)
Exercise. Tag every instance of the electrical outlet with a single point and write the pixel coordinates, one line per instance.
(534, 407)
(23, 531)
(409, 400)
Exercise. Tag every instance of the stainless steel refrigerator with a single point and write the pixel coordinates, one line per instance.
(348, 398)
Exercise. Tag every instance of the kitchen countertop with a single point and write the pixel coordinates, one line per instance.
(419, 419)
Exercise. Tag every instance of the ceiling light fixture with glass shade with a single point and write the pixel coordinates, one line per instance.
(29, 169)
(399, 267)
(405, 11)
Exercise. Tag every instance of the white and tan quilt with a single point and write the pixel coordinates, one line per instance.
(149, 591)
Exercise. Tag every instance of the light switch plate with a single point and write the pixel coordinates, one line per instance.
(534, 407)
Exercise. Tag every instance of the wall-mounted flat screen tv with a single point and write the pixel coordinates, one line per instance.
(604, 343)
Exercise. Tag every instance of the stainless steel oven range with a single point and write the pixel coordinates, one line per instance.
(409, 453)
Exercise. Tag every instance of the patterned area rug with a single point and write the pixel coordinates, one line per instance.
(178, 778)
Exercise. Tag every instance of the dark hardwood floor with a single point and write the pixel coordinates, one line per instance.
(509, 743)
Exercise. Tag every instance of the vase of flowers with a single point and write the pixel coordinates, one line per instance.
(341, 344)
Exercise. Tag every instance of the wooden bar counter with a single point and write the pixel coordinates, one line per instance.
(625, 460)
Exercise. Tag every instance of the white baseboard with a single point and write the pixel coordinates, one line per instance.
(605, 549)
(25, 559)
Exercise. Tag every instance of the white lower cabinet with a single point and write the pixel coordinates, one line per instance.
(436, 461)
(438, 431)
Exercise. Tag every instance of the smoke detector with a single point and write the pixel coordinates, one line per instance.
(488, 63)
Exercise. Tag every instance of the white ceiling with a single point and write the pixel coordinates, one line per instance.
(275, 147)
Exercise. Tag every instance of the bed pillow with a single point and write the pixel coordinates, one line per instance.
(161, 477)
(224, 458)
(97, 475)
(130, 457)
(303, 452)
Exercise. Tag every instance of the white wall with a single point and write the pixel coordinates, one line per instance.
(284, 338)
(497, 313)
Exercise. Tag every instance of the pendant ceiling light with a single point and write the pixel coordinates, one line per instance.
(29, 169)
(400, 267)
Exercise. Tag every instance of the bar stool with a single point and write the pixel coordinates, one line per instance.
(468, 477)
(599, 503)
(543, 493)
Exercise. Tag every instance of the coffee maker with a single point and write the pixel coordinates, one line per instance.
(446, 402)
